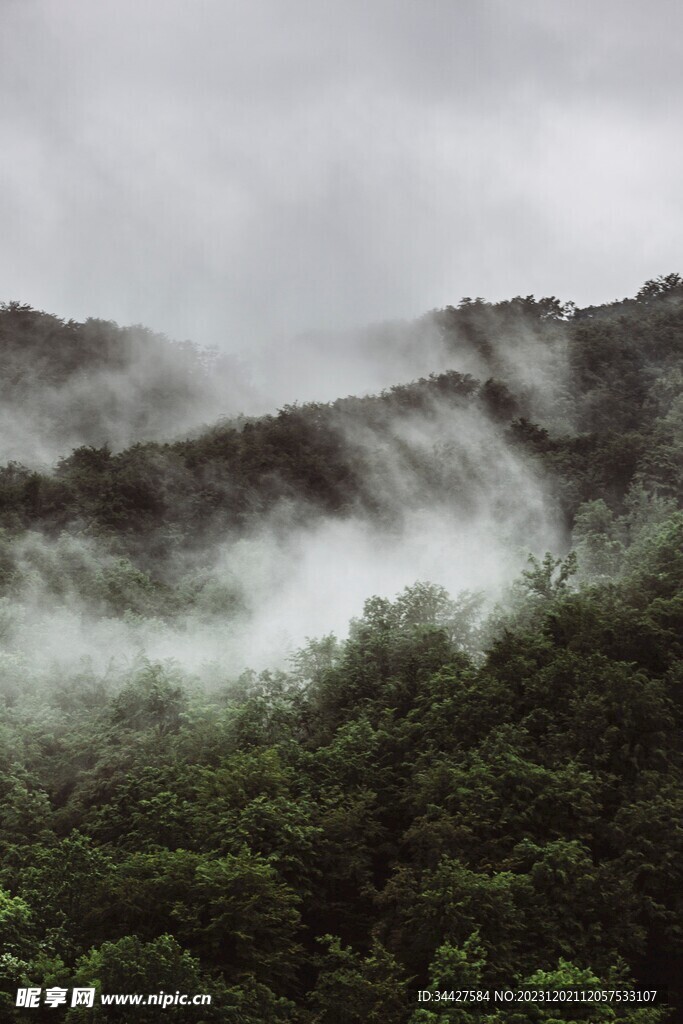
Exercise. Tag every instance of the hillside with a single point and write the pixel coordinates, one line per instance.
(476, 785)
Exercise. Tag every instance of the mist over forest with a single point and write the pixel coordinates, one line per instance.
(348, 669)
(221, 546)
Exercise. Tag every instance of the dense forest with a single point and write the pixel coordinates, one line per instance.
(465, 791)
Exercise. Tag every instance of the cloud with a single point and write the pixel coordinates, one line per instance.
(239, 172)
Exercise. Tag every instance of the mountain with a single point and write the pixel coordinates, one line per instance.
(212, 783)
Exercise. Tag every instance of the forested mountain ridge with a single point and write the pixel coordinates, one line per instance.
(444, 799)
(65, 384)
(597, 380)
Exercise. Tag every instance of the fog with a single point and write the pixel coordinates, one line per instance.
(459, 508)
(322, 366)
(306, 585)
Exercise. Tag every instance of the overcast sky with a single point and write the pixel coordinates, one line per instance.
(237, 171)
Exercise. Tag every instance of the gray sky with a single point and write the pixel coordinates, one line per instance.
(236, 171)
